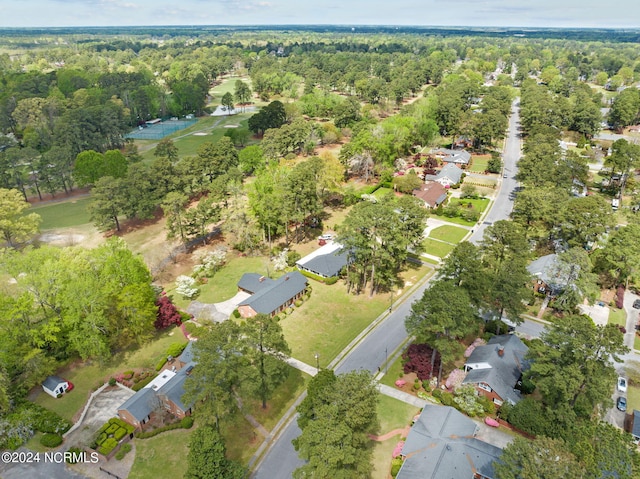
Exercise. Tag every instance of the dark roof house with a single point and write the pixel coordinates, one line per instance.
(270, 296)
(326, 261)
(433, 194)
(165, 391)
(496, 368)
(442, 445)
(549, 270)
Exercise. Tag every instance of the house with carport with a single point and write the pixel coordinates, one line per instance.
(326, 262)
(270, 296)
(449, 175)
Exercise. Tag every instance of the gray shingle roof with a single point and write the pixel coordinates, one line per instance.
(173, 390)
(141, 404)
(549, 269)
(450, 171)
(269, 299)
(461, 157)
(635, 431)
(254, 282)
(187, 353)
(441, 445)
(505, 370)
(328, 265)
(52, 382)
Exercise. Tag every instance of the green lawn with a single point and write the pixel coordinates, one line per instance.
(164, 455)
(633, 398)
(436, 248)
(382, 192)
(456, 220)
(224, 284)
(87, 377)
(63, 215)
(393, 372)
(332, 318)
(479, 164)
(282, 400)
(618, 316)
(450, 234)
(392, 414)
(480, 204)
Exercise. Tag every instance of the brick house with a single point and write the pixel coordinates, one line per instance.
(496, 368)
(269, 296)
(163, 393)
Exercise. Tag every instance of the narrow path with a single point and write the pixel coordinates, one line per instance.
(396, 432)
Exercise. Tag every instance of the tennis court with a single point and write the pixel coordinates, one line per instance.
(159, 130)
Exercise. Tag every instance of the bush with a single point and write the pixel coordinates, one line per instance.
(75, 453)
(288, 311)
(186, 422)
(298, 303)
(426, 386)
(143, 382)
(112, 429)
(126, 447)
(176, 349)
(120, 455)
(127, 374)
(119, 434)
(330, 281)
(161, 363)
(44, 420)
(396, 464)
(236, 313)
(437, 393)
(292, 258)
(51, 440)
(101, 438)
(158, 430)
(108, 446)
(417, 359)
(112, 381)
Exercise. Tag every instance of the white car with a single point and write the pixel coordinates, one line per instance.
(325, 237)
(622, 384)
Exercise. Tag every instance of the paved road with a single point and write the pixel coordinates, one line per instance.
(506, 193)
(281, 459)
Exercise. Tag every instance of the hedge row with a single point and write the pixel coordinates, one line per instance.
(332, 280)
(185, 423)
(139, 385)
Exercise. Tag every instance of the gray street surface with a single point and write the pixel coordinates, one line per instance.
(503, 204)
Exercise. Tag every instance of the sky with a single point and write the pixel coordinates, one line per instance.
(502, 13)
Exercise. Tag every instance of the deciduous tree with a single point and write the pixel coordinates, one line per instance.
(15, 226)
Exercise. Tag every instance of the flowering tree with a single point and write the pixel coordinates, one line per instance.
(186, 287)
(211, 262)
(280, 260)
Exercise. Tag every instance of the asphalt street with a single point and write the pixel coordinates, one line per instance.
(281, 459)
(503, 204)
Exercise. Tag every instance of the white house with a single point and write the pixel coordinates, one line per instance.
(55, 386)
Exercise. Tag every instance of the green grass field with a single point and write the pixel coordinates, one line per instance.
(382, 192)
(89, 376)
(456, 220)
(633, 398)
(392, 414)
(332, 318)
(63, 215)
(618, 316)
(450, 234)
(436, 248)
(480, 204)
(164, 455)
(479, 164)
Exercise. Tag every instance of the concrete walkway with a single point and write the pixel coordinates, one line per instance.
(402, 396)
(216, 312)
(304, 367)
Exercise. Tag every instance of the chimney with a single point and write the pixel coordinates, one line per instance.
(286, 278)
(500, 351)
(261, 279)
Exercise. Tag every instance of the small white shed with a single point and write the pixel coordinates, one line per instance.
(55, 385)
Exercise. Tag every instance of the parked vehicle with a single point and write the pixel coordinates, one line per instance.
(622, 384)
(636, 304)
(621, 404)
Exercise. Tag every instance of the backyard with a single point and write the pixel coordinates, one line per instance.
(88, 376)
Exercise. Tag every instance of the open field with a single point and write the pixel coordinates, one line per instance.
(88, 376)
(332, 318)
(164, 455)
(450, 234)
(437, 248)
(63, 215)
(479, 163)
(382, 192)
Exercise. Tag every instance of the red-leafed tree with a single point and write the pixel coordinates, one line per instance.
(168, 314)
(417, 359)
